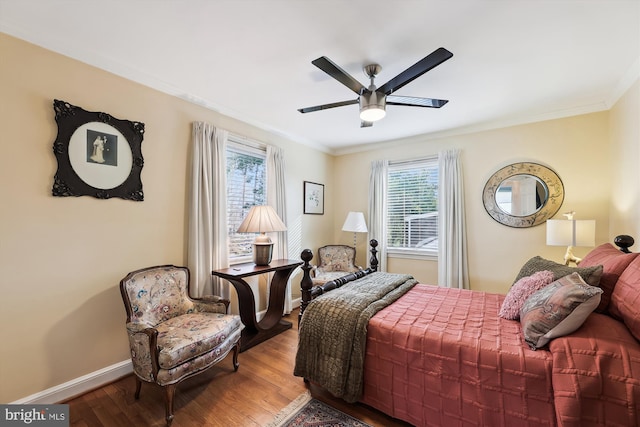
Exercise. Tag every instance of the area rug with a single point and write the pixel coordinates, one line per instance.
(306, 411)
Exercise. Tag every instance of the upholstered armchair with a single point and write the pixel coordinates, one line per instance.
(334, 261)
(171, 335)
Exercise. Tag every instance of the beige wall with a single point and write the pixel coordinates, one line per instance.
(62, 258)
(577, 148)
(625, 173)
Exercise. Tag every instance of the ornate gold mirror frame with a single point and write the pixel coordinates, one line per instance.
(548, 206)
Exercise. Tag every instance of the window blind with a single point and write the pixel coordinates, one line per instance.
(412, 205)
(246, 187)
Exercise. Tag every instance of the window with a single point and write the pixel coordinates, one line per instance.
(412, 207)
(246, 187)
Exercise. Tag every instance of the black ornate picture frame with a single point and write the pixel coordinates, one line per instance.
(98, 155)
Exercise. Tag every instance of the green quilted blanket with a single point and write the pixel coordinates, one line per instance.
(333, 332)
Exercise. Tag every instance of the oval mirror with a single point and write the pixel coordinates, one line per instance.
(523, 194)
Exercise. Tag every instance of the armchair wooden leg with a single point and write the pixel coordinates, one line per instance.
(138, 386)
(170, 391)
(236, 350)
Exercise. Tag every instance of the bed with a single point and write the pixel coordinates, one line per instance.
(446, 357)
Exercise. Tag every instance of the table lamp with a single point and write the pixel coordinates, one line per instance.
(262, 219)
(571, 232)
(355, 222)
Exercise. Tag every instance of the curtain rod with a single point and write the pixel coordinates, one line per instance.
(409, 161)
(239, 139)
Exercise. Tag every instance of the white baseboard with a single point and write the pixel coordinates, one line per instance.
(79, 386)
(91, 381)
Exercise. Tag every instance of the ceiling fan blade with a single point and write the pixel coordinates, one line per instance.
(364, 124)
(415, 102)
(430, 61)
(329, 67)
(327, 106)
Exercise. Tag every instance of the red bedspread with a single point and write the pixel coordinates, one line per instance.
(596, 375)
(443, 357)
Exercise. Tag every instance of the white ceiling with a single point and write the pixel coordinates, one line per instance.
(515, 61)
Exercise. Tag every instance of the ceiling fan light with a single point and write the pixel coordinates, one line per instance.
(372, 107)
(372, 113)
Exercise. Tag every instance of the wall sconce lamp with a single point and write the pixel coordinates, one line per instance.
(355, 222)
(570, 233)
(262, 219)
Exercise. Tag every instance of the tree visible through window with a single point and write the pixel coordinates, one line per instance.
(246, 187)
(412, 206)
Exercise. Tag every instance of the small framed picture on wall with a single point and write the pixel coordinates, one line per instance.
(313, 198)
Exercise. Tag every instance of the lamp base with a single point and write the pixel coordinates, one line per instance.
(262, 253)
(570, 257)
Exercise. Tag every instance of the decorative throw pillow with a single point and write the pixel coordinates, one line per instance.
(625, 300)
(614, 263)
(557, 309)
(521, 290)
(591, 275)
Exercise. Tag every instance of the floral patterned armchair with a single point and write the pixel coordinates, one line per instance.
(334, 261)
(173, 336)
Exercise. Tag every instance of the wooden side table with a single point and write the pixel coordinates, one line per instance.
(272, 323)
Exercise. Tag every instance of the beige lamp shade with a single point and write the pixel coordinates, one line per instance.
(565, 232)
(355, 222)
(262, 219)
(570, 233)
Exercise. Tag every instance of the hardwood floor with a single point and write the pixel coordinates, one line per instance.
(263, 385)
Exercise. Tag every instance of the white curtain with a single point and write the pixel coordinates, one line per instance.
(452, 236)
(207, 245)
(378, 209)
(276, 198)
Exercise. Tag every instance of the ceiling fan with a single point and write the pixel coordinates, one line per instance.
(372, 100)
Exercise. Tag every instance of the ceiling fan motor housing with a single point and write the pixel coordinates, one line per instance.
(373, 106)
